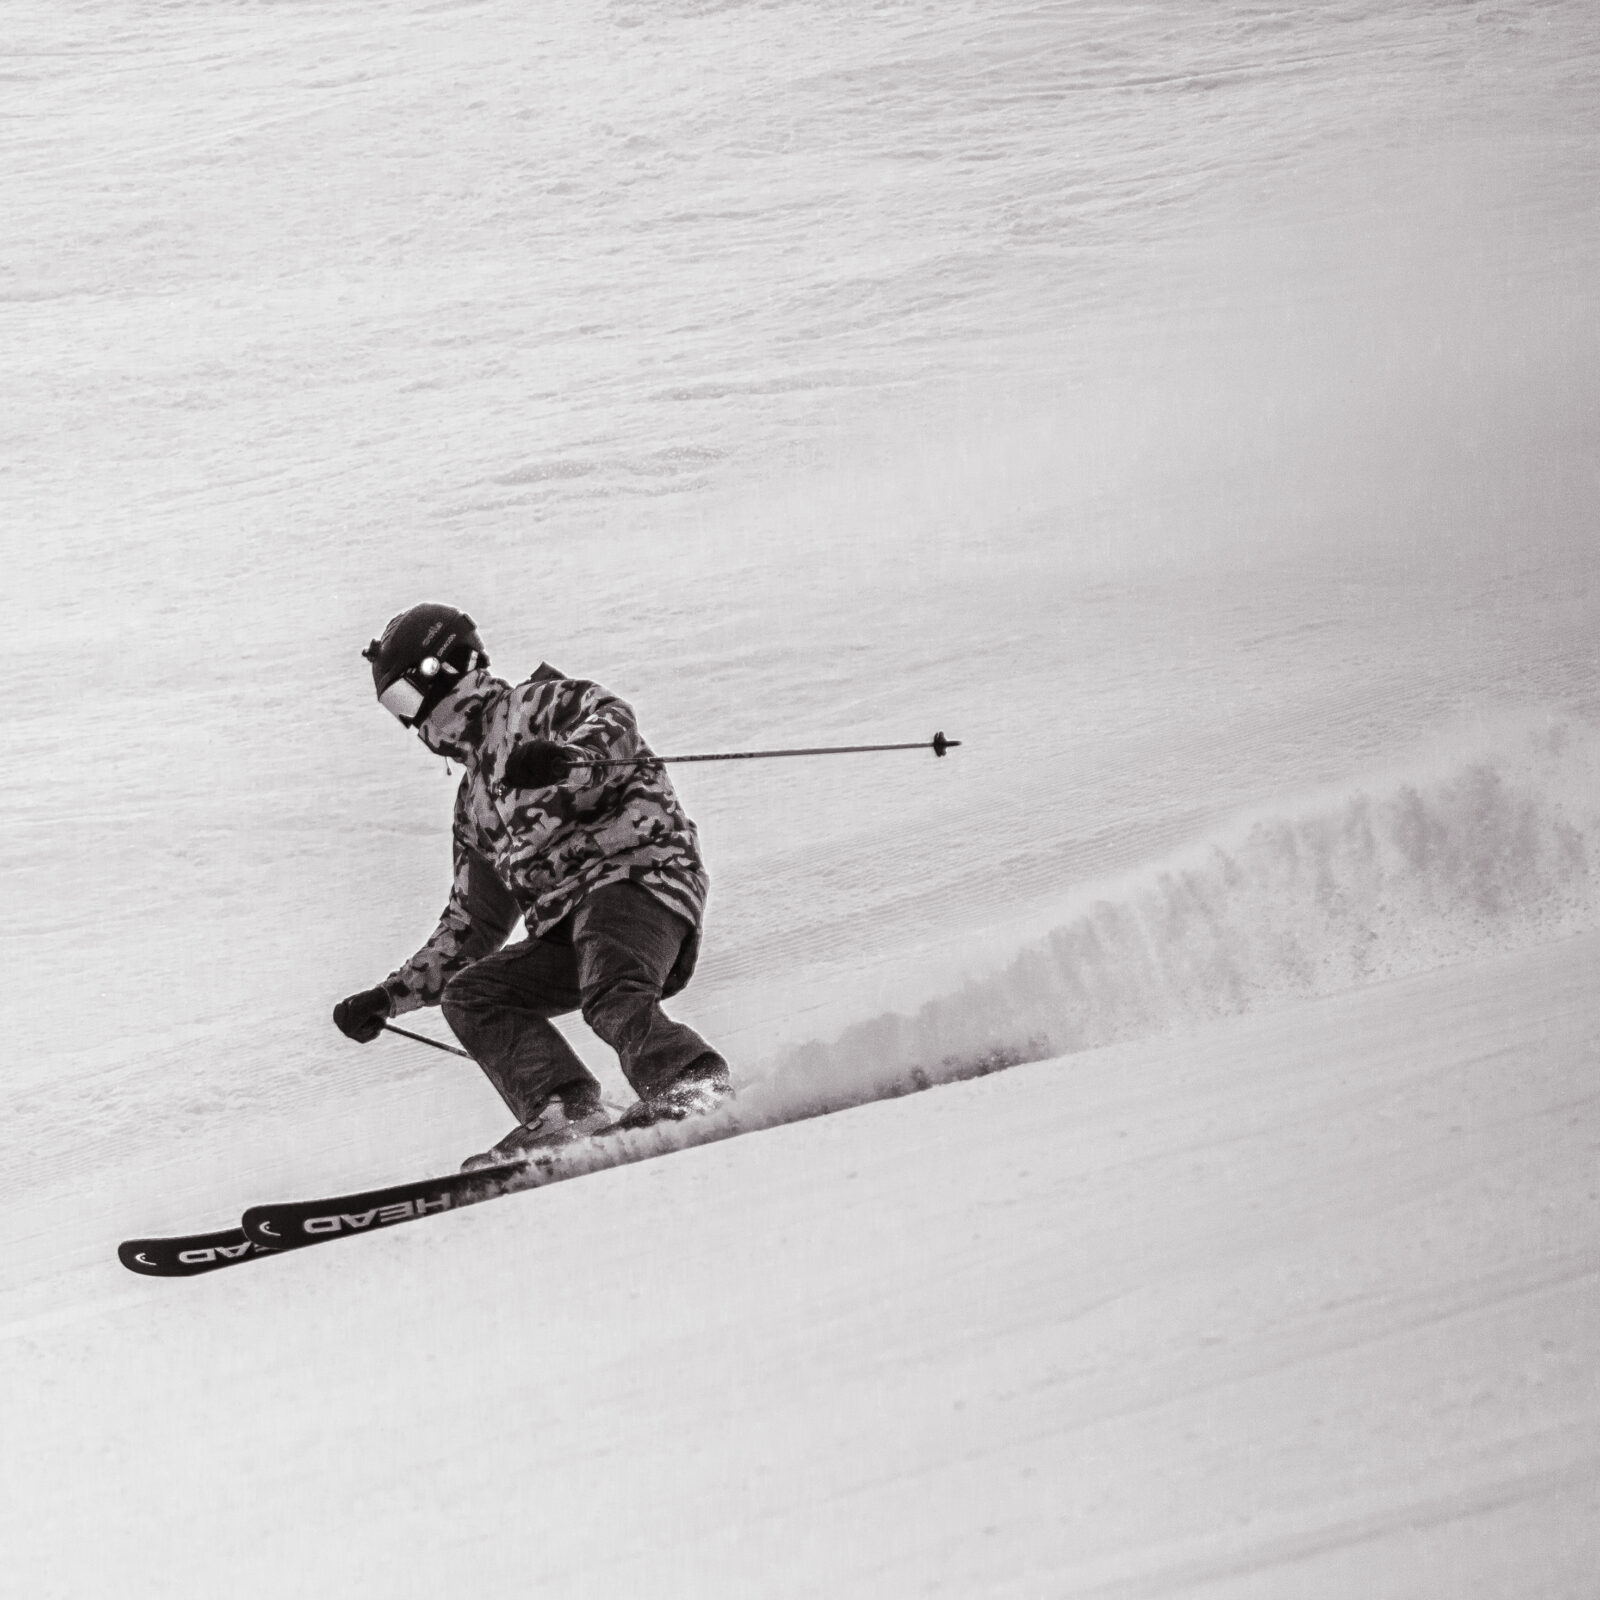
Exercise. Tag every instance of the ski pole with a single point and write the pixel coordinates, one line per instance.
(422, 1038)
(938, 744)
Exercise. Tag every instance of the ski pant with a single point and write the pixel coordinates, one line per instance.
(624, 944)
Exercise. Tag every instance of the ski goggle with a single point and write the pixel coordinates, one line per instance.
(403, 699)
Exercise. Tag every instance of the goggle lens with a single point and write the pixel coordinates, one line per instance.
(402, 699)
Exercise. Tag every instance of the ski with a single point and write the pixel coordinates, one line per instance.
(294, 1224)
(185, 1255)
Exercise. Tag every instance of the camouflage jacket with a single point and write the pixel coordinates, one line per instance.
(536, 853)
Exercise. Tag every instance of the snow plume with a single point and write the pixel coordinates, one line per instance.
(1492, 845)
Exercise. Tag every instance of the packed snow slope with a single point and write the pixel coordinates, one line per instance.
(1297, 1304)
(1192, 408)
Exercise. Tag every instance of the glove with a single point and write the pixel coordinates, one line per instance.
(537, 765)
(361, 1016)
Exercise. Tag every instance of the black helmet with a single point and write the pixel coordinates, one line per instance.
(422, 653)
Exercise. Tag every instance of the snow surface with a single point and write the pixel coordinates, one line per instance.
(1302, 1303)
(1193, 408)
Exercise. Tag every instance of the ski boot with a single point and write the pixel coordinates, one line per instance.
(699, 1088)
(554, 1124)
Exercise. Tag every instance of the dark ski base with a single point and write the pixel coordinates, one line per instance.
(293, 1224)
(189, 1254)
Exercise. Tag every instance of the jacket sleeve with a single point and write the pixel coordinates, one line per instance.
(476, 922)
(602, 727)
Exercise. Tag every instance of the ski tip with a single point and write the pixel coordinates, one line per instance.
(189, 1254)
(136, 1255)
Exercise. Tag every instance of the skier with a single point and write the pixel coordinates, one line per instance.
(600, 862)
